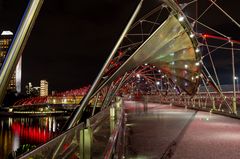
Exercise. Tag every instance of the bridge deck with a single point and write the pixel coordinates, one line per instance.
(158, 130)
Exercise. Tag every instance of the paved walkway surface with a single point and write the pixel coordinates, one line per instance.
(157, 131)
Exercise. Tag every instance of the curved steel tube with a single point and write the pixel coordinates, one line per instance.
(18, 44)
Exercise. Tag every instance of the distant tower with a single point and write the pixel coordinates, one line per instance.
(18, 75)
(5, 42)
(43, 88)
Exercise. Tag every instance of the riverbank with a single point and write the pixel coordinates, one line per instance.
(33, 113)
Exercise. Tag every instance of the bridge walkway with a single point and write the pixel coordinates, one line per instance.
(162, 131)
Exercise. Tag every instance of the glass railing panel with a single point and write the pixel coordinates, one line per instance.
(106, 127)
(101, 138)
(65, 145)
(100, 125)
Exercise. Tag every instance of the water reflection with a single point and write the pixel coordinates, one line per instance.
(15, 132)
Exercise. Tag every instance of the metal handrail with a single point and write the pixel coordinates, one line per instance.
(98, 118)
(214, 104)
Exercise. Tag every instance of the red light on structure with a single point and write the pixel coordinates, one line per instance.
(220, 38)
(120, 53)
(205, 35)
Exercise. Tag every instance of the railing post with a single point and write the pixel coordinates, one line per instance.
(112, 112)
(214, 104)
(112, 118)
(234, 105)
(86, 142)
(170, 101)
(205, 100)
(194, 102)
(199, 102)
(118, 102)
(145, 103)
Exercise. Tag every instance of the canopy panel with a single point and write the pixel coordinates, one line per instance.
(171, 49)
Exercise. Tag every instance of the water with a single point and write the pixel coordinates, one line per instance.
(16, 132)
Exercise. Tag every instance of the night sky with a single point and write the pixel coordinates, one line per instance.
(71, 41)
(72, 38)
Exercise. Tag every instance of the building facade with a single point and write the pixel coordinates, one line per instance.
(43, 88)
(5, 42)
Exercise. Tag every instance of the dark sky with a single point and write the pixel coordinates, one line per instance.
(72, 38)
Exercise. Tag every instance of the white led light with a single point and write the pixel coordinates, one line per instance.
(180, 18)
(197, 63)
(197, 50)
(192, 35)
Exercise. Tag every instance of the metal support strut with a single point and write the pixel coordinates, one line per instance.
(78, 114)
(18, 44)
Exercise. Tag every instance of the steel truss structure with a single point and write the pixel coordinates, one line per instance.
(169, 53)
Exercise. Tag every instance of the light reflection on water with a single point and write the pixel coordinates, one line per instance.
(15, 132)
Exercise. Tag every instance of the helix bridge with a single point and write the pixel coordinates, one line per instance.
(171, 70)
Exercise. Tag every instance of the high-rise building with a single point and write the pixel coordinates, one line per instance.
(43, 88)
(5, 42)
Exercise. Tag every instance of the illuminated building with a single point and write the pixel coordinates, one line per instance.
(5, 42)
(43, 88)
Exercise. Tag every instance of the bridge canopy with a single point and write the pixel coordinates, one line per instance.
(170, 49)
